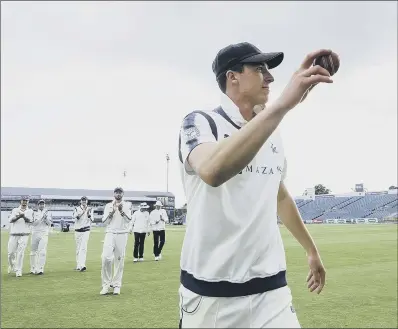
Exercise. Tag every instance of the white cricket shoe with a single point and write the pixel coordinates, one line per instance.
(135, 260)
(104, 291)
(156, 258)
(141, 259)
(18, 274)
(116, 291)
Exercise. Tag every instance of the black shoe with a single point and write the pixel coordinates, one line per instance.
(83, 269)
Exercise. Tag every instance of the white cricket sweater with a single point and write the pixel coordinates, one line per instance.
(117, 224)
(232, 244)
(20, 227)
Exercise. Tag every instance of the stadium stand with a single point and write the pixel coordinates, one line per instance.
(319, 208)
(372, 205)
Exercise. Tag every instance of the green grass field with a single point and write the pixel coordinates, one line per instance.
(361, 289)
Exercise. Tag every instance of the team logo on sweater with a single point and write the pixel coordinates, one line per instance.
(191, 134)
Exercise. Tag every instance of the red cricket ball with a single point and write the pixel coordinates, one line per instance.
(329, 62)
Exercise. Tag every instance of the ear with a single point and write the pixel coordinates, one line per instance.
(231, 76)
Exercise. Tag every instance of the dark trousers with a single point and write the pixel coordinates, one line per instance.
(139, 240)
(158, 242)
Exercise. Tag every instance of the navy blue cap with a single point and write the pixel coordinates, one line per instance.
(243, 52)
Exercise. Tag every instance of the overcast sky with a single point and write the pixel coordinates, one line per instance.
(90, 89)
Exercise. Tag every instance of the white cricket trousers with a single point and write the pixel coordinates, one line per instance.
(272, 309)
(81, 239)
(38, 251)
(114, 251)
(16, 251)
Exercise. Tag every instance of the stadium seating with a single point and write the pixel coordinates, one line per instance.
(331, 207)
(371, 205)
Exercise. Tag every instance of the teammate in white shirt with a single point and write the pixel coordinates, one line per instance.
(233, 267)
(20, 222)
(42, 221)
(117, 217)
(82, 216)
(141, 228)
(158, 219)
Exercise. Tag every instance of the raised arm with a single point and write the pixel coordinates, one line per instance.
(165, 217)
(15, 215)
(218, 161)
(90, 214)
(126, 212)
(49, 218)
(75, 215)
(108, 214)
(28, 216)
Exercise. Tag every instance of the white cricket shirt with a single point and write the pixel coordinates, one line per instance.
(83, 224)
(232, 245)
(155, 219)
(140, 221)
(42, 221)
(20, 227)
(118, 224)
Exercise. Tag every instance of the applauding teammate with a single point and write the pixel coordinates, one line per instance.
(40, 228)
(20, 221)
(83, 216)
(158, 219)
(117, 217)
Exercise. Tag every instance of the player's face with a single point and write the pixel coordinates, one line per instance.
(118, 195)
(254, 83)
(157, 207)
(41, 206)
(84, 203)
(24, 203)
